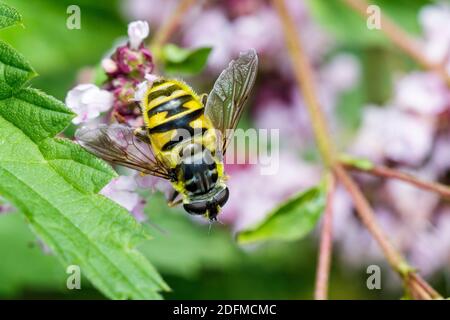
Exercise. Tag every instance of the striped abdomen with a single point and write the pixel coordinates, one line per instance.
(173, 113)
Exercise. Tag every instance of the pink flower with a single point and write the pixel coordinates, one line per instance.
(153, 11)
(422, 93)
(415, 206)
(154, 184)
(131, 62)
(298, 10)
(354, 241)
(387, 133)
(123, 190)
(88, 101)
(342, 72)
(109, 65)
(261, 31)
(282, 107)
(435, 22)
(289, 119)
(215, 30)
(431, 251)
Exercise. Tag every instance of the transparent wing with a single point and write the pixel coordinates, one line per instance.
(119, 145)
(229, 94)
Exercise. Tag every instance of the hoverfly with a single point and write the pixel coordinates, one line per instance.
(193, 163)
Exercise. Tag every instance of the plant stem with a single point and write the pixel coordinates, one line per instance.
(305, 81)
(401, 39)
(415, 278)
(326, 244)
(418, 287)
(386, 172)
(367, 216)
(417, 292)
(172, 23)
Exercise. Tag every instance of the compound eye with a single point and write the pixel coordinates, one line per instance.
(222, 197)
(196, 208)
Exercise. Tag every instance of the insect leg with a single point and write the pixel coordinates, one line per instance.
(204, 98)
(174, 204)
(173, 196)
(171, 202)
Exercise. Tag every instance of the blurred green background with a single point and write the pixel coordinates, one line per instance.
(197, 264)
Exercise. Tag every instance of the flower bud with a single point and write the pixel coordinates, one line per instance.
(137, 32)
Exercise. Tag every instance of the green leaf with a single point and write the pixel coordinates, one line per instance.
(25, 105)
(350, 28)
(291, 221)
(15, 70)
(84, 171)
(184, 61)
(56, 52)
(8, 16)
(54, 183)
(359, 163)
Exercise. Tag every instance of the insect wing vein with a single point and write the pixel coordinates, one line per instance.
(118, 144)
(227, 99)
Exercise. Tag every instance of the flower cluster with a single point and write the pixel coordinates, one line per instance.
(436, 29)
(126, 69)
(233, 26)
(412, 134)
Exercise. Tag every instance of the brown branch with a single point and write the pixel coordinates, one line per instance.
(326, 244)
(304, 75)
(401, 39)
(420, 290)
(306, 84)
(368, 218)
(417, 292)
(166, 30)
(418, 287)
(417, 280)
(305, 81)
(386, 172)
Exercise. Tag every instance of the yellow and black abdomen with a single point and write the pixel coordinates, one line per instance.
(173, 114)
